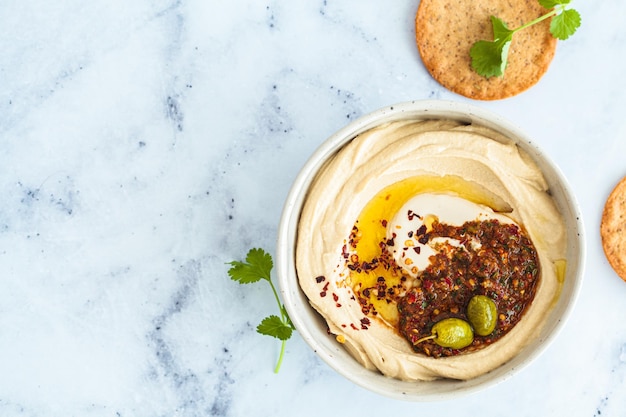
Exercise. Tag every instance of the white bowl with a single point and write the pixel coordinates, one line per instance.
(312, 326)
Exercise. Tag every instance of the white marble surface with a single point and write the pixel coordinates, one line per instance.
(146, 143)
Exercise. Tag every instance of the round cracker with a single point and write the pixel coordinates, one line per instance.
(613, 229)
(445, 30)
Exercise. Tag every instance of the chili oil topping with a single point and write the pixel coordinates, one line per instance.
(437, 253)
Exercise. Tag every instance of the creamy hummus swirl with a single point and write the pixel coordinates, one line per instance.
(502, 173)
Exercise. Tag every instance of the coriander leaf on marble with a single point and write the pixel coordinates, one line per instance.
(258, 266)
(274, 326)
(490, 58)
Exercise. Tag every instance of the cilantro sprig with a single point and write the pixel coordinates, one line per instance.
(258, 266)
(489, 58)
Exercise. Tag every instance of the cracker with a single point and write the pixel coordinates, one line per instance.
(613, 229)
(445, 30)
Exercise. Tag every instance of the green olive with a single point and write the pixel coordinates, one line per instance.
(453, 333)
(483, 314)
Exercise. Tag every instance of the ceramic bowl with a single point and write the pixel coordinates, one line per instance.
(311, 326)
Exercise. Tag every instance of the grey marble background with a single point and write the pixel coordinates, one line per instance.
(145, 143)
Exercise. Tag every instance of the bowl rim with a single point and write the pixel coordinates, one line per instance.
(287, 235)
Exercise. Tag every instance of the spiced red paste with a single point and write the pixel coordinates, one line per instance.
(504, 267)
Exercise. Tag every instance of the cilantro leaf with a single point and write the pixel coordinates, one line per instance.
(258, 266)
(242, 273)
(489, 59)
(274, 326)
(501, 31)
(262, 262)
(564, 25)
(287, 318)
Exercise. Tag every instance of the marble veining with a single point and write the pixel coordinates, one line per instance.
(145, 144)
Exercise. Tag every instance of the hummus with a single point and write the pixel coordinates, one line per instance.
(375, 176)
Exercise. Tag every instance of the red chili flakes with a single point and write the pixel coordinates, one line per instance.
(383, 222)
(381, 287)
(324, 290)
(336, 298)
(344, 251)
(365, 322)
(353, 240)
(320, 279)
(366, 306)
(411, 215)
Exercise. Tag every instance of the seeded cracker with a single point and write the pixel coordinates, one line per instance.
(613, 229)
(445, 30)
